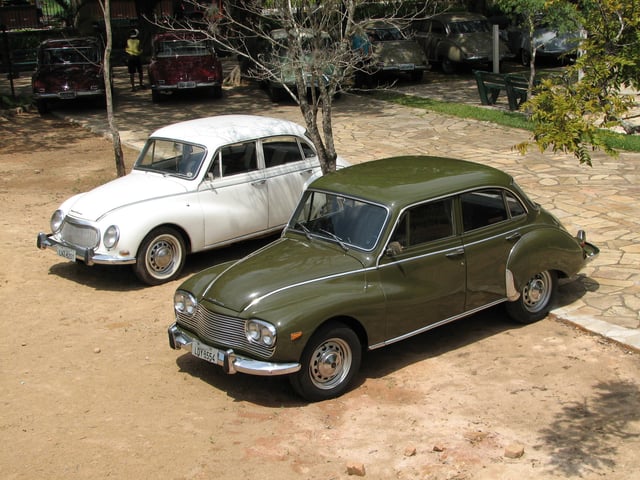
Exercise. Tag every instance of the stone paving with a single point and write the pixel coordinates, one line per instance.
(604, 199)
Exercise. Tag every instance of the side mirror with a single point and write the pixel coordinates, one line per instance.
(394, 249)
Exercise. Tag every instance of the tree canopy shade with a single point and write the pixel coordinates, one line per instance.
(571, 111)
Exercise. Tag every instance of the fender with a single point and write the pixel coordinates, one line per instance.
(552, 250)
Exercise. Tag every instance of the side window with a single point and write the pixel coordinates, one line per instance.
(437, 28)
(307, 150)
(280, 151)
(234, 159)
(424, 223)
(482, 208)
(515, 207)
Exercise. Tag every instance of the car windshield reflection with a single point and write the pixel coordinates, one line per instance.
(171, 157)
(346, 221)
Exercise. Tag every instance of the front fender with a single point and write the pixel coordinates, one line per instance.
(544, 249)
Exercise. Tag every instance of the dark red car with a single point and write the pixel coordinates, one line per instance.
(184, 62)
(68, 69)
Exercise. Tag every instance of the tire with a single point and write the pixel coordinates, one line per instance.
(329, 362)
(216, 92)
(525, 57)
(536, 298)
(161, 256)
(416, 76)
(42, 106)
(448, 66)
(155, 96)
(275, 93)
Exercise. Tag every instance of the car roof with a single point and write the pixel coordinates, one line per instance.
(401, 181)
(69, 42)
(214, 132)
(458, 17)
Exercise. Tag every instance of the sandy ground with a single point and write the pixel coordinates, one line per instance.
(91, 389)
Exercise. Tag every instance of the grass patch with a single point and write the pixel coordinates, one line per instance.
(617, 141)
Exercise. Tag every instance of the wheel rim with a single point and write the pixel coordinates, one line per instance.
(163, 256)
(537, 292)
(330, 363)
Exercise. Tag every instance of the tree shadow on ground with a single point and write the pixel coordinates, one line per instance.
(584, 435)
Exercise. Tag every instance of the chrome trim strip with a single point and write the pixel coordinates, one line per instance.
(435, 325)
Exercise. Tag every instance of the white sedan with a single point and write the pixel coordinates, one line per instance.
(197, 185)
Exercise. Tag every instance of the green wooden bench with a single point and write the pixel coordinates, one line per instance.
(491, 84)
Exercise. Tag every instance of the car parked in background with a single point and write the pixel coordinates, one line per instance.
(551, 43)
(197, 185)
(385, 50)
(373, 254)
(184, 63)
(456, 40)
(68, 69)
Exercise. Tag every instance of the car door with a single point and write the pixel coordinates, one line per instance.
(234, 196)
(424, 280)
(289, 162)
(492, 220)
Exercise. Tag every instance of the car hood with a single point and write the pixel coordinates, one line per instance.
(399, 51)
(285, 263)
(133, 188)
(478, 42)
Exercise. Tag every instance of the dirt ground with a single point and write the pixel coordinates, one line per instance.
(91, 389)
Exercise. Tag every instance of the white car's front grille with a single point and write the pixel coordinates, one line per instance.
(79, 235)
(222, 331)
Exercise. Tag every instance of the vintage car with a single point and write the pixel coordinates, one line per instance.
(185, 63)
(197, 185)
(386, 51)
(456, 40)
(373, 254)
(66, 70)
(277, 59)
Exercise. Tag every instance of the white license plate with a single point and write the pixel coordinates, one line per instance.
(67, 95)
(186, 84)
(406, 66)
(66, 252)
(205, 352)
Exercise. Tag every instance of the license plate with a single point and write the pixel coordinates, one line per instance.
(66, 252)
(205, 352)
(67, 95)
(406, 66)
(186, 84)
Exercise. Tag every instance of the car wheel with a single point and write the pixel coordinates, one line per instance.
(416, 75)
(161, 256)
(42, 106)
(448, 66)
(329, 363)
(156, 96)
(275, 93)
(525, 57)
(216, 92)
(536, 298)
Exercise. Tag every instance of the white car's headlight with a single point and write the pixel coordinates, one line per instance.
(184, 302)
(260, 332)
(111, 236)
(56, 221)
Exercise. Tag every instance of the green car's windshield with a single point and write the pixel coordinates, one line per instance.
(341, 219)
(171, 157)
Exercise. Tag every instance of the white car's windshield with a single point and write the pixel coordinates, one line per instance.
(344, 220)
(171, 157)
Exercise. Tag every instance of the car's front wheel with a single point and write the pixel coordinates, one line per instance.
(329, 362)
(536, 298)
(448, 66)
(161, 256)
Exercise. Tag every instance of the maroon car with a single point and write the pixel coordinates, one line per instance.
(184, 62)
(68, 69)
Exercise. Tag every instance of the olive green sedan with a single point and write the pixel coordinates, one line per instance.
(373, 254)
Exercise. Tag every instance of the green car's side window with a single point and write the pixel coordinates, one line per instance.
(487, 207)
(424, 223)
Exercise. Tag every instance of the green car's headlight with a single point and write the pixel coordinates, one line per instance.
(184, 303)
(56, 221)
(260, 332)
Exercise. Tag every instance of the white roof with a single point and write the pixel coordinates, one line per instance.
(213, 132)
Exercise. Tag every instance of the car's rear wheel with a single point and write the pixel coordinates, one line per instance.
(216, 92)
(329, 363)
(156, 96)
(536, 298)
(417, 75)
(42, 106)
(161, 256)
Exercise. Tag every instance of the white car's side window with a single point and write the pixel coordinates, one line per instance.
(280, 151)
(234, 159)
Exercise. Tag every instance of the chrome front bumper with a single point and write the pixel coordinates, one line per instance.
(230, 361)
(86, 255)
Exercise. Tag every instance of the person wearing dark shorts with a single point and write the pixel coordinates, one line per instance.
(134, 58)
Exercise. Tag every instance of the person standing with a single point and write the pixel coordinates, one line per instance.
(134, 58)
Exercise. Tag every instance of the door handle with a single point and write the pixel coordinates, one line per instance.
(456, 253)
(514, 237)
(307, 172)
(259, 182)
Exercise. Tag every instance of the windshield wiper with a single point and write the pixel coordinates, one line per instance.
(336, 238)
(306, 231)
